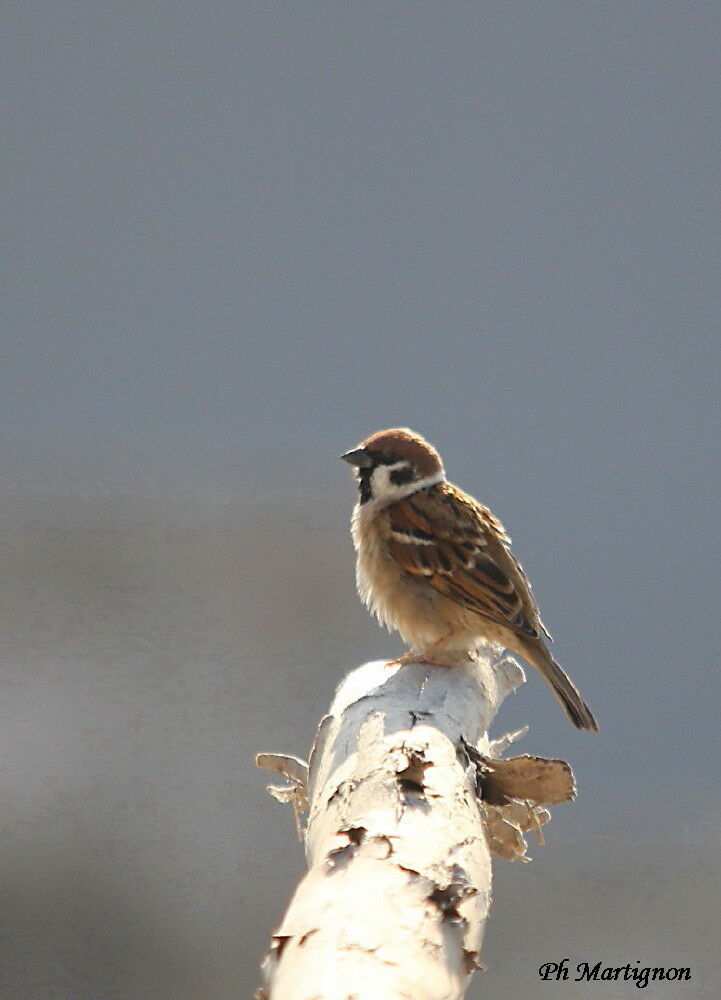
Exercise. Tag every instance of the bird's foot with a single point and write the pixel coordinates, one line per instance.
(410, 657)
(432, 655)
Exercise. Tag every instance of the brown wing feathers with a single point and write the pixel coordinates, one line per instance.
(469, 566)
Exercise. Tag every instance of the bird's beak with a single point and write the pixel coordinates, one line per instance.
(358, 457)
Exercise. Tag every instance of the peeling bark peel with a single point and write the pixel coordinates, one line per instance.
(397, 841)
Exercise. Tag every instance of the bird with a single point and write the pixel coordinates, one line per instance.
(435, 565)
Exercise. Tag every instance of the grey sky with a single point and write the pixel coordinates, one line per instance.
(241, 236)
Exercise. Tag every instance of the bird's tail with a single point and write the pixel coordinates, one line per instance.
(563, 687)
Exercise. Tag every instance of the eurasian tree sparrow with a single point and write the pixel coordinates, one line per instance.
(435, 565)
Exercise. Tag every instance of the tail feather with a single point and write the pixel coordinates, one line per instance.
(561, 684)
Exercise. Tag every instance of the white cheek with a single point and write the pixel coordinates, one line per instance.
(384, 491)
(381, 486)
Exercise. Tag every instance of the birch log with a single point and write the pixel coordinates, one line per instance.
(397, 839)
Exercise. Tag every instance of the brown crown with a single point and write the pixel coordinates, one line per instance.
(403, 443)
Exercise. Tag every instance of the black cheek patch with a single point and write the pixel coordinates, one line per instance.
(399, 477)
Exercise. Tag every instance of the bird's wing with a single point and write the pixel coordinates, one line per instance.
(461, 550)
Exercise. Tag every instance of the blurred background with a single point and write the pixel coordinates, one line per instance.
(240, 237)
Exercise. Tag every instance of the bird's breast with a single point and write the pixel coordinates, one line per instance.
(399, 600)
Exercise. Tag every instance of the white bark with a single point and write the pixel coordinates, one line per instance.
(399, 870)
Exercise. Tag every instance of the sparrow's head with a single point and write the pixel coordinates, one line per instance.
(392, 464)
